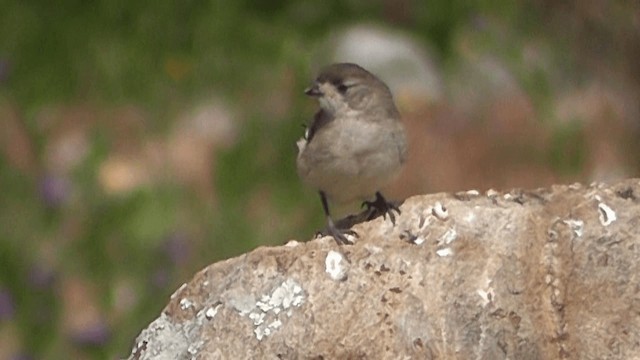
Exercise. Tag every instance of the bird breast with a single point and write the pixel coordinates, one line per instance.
(352, 158)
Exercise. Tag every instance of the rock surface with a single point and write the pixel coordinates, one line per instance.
(542, 274)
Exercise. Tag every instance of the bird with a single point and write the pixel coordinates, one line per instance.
(355, 144)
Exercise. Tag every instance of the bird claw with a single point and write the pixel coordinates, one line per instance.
(380, 206)
(339, 235)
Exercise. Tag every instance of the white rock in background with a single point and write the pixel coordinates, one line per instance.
(402, 62)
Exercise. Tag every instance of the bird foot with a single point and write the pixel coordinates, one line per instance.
(339, 235)
(380, 206)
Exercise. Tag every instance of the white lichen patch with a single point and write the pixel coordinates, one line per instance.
(286, 295)
(444, 252)
(267, 311)
(241, 301)
(607, 215)
(194, 348)
(257, 317)
(577, 226)
(336, 266)
(440, 211)
(261, 332)
(263, 304)
(275, 324)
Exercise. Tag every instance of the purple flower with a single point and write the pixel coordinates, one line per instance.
(479, 22)
(22, 356)
(41, 278)
(94, 335)
(54, 190)
(6, 305)
(5, 70)
(177, 248)
(160, 278)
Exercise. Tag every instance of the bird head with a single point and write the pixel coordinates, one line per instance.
(344, 87)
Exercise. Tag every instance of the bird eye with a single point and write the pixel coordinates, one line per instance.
(342, 88)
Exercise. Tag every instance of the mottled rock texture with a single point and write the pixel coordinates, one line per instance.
(541, 274)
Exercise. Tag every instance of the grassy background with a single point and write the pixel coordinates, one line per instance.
(91, 92)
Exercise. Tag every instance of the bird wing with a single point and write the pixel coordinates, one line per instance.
(320, 119)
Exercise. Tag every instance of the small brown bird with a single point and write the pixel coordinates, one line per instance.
(356, 143)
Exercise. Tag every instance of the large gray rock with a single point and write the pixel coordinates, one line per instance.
(543, 274)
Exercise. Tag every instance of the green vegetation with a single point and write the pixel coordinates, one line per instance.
(86, 262)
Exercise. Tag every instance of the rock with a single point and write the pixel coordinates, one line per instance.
(378, 49)
(541, 274)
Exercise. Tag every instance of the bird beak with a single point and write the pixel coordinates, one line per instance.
(313, 90)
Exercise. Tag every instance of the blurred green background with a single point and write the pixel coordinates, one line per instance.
(141, 141)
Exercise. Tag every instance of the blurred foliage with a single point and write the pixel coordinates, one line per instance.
(67, 243)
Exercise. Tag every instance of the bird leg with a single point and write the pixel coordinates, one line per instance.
(339, 235)
(380, 206)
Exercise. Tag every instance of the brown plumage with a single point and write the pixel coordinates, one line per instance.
(355, 144)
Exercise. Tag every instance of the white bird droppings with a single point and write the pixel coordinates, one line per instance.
(486, 295)
(440, 211)
(491, 193)
(336, 266)
(444, 252)
(607, 215)
(185, 303)
(419, 240)
(212, 312)
(577, 226)
(448, 237)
